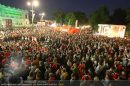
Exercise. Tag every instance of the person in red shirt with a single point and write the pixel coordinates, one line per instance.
(28, 62)
(6, 54)
(86, 77)
(115, 76)
(81, 69)
(51, 77)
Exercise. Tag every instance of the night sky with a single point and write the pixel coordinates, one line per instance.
(87, 6)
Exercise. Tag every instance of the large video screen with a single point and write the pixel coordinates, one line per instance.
(112, 30)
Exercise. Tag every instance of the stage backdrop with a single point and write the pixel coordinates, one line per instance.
(112, 30)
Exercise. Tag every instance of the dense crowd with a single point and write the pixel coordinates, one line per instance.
(45, 54)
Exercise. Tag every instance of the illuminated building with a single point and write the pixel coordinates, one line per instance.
(13, 17)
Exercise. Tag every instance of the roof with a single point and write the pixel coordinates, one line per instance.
(12, 8)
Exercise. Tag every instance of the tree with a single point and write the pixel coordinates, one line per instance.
(128, 15)
(128, 21)
(100, 16)
(81, 17)
(70, 18)
(128, 29)
(119, 16)
(59, 17)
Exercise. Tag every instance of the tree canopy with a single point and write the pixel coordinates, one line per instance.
(119, 16)
(59, 16)
(100, 16)
(81, 17)
(70, 18)
(128, 15)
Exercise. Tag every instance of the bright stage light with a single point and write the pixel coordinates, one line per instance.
(35, 3)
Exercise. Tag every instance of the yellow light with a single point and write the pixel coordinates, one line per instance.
(28, 3)
(35, 3)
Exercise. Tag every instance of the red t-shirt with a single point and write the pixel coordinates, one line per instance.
(54, 66)
(84, 76)
(7, 54)
(4, 61)
(120, 67)
(28, 62)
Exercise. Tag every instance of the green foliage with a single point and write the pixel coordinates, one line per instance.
(59, 16)
(128, 15)
(128, 29)
(70, 18)
(119, 16)
(81, 17)
(128, 22)
(93, 20)
(100, 16)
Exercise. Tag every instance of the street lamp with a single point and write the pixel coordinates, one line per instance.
(42, 15)
(33, 3)
(28, 3)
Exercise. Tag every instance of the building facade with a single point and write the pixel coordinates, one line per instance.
(13, 17)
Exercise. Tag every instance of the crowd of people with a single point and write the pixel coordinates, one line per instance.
(46, 54)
